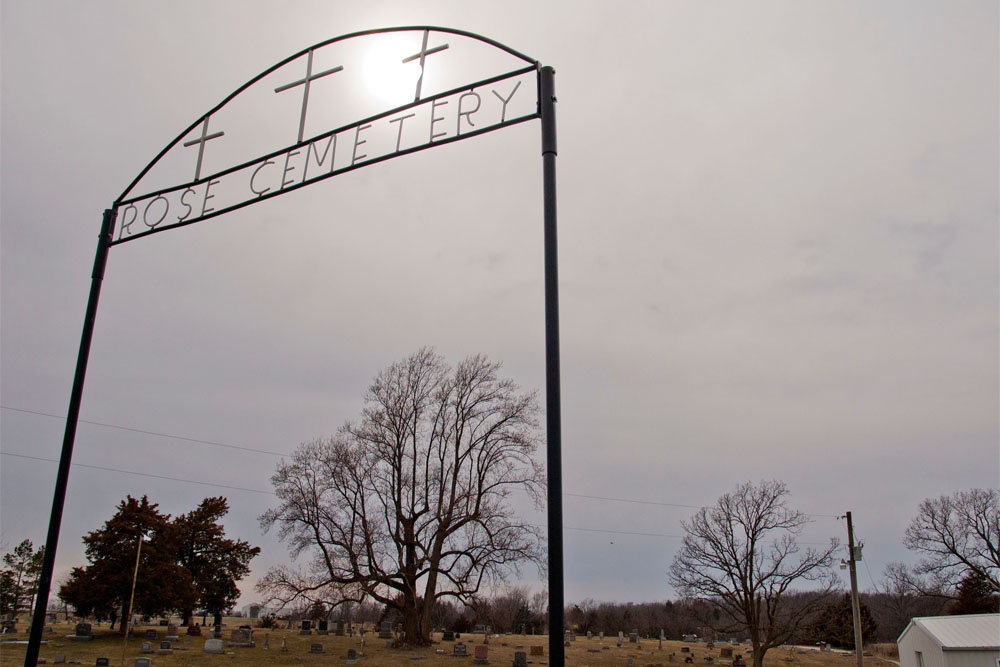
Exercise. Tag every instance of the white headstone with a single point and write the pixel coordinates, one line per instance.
(213, 646)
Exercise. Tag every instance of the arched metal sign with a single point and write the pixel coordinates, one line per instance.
(301, 132)
(340, 105)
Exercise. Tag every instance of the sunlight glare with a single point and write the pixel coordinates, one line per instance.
(385, 75)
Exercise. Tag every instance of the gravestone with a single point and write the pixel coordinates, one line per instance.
(633, 637)
(726, 652)
(166, 648)
(631, 661)
(324, 627)
(103, 662)
(150, 634)
(590, 635)
(685, 649)
(147, 647)
(520, 658)
(601, 635)
(284, 645)
(460, 650)
(340, 628)
(447, 636)
(82, 633)
(213, 646)
(315, 648)
(267, 642)
(241, 638)
(164, 622)
(59, 659)
(385, 632)
(9, 626)
(143, 662)
(537, 650)
(352, 656)
(306, 627)
(481, 655)
(194, 630)
(173, 630)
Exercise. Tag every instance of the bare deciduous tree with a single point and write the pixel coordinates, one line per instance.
(957, 534)
(741, 554)
(412, 503)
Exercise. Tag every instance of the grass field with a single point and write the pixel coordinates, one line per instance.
(376, 654)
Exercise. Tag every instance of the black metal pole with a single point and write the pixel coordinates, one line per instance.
(62, 477)
(553, 417)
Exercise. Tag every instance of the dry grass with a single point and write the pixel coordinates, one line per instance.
(376, 654)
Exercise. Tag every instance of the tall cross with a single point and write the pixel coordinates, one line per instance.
(421, 55)
(205, 136)
(305, 83)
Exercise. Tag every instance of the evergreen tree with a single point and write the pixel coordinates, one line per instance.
(975, 596)
(21, 568)
(835, 624)
(214, 562)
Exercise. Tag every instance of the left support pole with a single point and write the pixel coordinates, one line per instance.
(62, 476)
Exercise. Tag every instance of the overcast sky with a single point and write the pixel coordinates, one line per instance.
(778, 227)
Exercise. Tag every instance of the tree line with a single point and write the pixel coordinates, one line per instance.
(407, 513)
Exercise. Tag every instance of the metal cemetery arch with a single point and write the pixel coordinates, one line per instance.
(144, 209)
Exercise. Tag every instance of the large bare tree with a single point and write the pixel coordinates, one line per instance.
(957, 535)
(412, 503)
(741, 554)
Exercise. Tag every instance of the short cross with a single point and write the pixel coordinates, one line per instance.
(205, 136)
(305, 83)
(421, 55)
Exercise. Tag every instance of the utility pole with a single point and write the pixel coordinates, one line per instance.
(855, 602)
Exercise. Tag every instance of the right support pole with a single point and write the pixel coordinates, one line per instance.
(553, 423)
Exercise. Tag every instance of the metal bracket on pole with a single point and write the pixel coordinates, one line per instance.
(62, 476)
(553, 419)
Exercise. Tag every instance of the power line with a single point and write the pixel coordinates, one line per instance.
(272, 493)
(144, 432)
(279, 454)
(141, 474)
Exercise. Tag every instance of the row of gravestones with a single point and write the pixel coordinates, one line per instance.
(106, 662)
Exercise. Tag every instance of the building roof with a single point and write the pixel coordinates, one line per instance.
(973, 631)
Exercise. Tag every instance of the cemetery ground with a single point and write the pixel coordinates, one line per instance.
(582, 652)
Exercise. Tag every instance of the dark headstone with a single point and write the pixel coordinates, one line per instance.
(315, 648)
(447, 636)
(83, 630)
(143, 662)
(103, 662)
(164, 622)
(385, 632)
(520, 657)
(194, 630)
(460, 650)
(150, 634)
(324, 625)
(241, 638)
(306, 627)
(59, 659)
(147, 647)
(340, 628)
(166, 645)
(482, 653)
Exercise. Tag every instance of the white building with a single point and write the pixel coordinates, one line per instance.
(951, 641)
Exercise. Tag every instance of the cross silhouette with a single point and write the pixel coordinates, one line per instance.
(421, 55)
(205, 136)
(305, 83)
